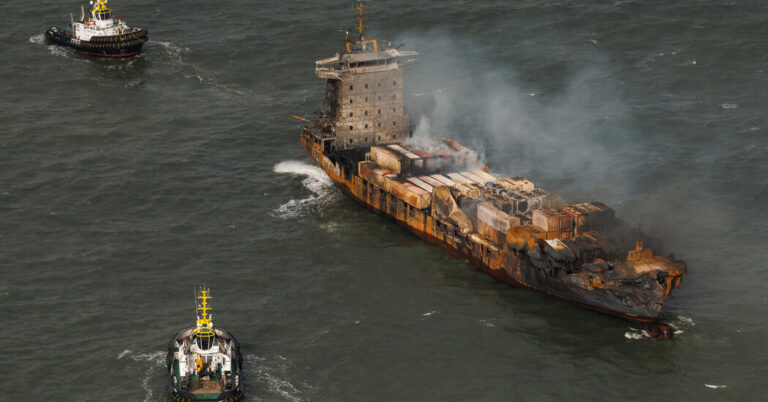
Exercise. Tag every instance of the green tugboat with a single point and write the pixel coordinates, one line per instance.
(204, 363)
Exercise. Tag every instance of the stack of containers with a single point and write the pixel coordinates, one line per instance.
(553, 222)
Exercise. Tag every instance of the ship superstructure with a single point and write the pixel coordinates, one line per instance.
(101, 34)
(506, 227)
(204, 363)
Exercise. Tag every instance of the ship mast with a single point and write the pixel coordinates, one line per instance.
(360, 7)
(204, 320)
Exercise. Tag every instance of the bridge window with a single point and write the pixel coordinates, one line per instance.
(379, 111)
(351, 114)
(379, 126)
(394, 109)
(366, 85)
(366, 99)
(379, 85)
(350, 87)
(351, 127)
(350, 100)
(394, 83)
(366, 113)
(366, 126)
(394, 123)
(379, 98)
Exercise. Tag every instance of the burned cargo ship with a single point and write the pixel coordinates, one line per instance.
(506, 227)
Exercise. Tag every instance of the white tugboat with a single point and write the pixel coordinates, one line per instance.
(204, 363)
(101, 34)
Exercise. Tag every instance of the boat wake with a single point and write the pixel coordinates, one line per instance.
(635, 333)
(155, 360)
(171, 49)
(38, 39)
(55, 50)
(315, 180)
(270, 375)
(678, 323)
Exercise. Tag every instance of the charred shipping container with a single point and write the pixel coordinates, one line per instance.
(507, 227)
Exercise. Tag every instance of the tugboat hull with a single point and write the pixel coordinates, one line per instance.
(202, 390)
(124, 45)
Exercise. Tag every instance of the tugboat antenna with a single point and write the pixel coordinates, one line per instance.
(639, 233)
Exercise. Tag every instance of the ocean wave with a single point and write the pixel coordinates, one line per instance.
(315, 180)
(57, 50)
(170, 48)
(156, 360)
(635, 333)
(38, 39)
(271, 374)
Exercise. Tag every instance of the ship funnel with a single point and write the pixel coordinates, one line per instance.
(82, 13)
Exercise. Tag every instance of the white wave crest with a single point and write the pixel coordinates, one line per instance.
(729, 106)
(155, 359)
(315, 180)
(635, 333)
(37, 39)
(57, 50)
(715, 386)
(270, 373)
(170, 48)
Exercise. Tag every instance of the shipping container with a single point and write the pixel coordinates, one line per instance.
(484, 175)
(432, 182)
(443, 179)
(420, 183)
(389, 159)
(458, 178)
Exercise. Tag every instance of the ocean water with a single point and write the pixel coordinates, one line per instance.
(125, 183)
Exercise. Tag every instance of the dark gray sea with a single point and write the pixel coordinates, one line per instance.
(125, 183)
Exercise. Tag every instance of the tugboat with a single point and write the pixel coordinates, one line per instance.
(204, 363)
(101, 35)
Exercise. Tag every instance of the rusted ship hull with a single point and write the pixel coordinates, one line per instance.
(637, 298)
(439, 190)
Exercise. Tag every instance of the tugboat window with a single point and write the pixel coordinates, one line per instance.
(205, 342)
